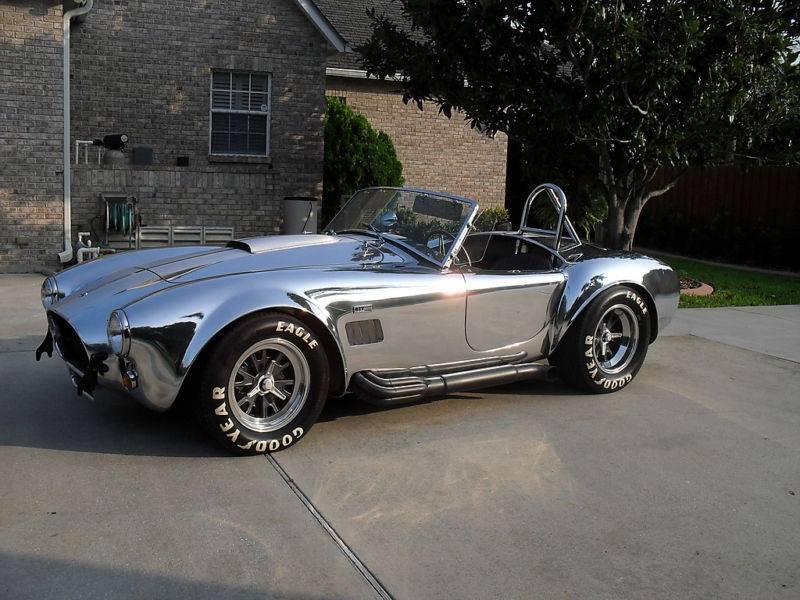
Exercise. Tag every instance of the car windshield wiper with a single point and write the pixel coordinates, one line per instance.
(370, 229)
(381, 239)
(404, 245)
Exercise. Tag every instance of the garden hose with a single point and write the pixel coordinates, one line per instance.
(120, 218)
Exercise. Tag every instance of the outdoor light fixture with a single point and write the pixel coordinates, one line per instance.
(116, 141)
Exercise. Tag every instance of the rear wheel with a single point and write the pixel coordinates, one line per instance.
(263, 384)
(605, 348)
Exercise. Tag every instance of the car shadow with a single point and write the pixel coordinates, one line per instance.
(350, 405)
(39, 408)
(32, 576)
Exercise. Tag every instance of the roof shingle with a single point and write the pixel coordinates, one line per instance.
(350, 19)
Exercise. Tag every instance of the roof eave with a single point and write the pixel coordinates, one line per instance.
(358, 74)
(324, 26)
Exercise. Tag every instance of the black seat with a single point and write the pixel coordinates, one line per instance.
(526, 261)
(504, 252)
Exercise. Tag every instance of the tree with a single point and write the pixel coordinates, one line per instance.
(356, 156)
(612, 89)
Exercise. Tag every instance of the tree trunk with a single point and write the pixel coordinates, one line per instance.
(632, 213)
(611, 231)
(620, 226)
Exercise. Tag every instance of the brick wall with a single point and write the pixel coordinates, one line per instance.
(437, 153)
(30, 134)
(143, 68)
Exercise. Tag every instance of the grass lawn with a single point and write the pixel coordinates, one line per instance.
(735, 287)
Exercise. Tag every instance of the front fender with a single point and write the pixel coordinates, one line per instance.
(587, 279)
(170, 329)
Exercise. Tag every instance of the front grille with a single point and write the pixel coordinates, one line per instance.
(69, 343)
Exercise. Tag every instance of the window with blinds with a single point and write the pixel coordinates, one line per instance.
(240, 111)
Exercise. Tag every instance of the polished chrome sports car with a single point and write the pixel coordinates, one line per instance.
(401, 298)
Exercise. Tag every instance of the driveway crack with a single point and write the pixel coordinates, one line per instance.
(359, 565)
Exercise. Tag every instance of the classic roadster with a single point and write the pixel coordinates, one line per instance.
(399, 299)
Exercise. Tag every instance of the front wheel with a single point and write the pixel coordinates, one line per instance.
(262, 384)
(605, 348)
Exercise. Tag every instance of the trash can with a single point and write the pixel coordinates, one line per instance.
(300, 214)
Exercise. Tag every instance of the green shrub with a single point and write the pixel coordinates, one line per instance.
(356, 156)
(490, 218)
(720, 238)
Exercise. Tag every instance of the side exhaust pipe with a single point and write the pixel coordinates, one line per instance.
(393, 391)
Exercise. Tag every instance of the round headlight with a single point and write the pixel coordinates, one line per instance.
(49, 291)
(119, 333)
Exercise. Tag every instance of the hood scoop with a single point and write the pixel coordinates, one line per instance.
(257, 245)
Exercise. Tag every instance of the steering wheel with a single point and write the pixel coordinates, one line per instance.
(441, 233)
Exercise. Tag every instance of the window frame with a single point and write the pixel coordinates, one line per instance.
(230, 111)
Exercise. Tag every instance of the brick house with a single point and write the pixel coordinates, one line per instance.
(228, 95)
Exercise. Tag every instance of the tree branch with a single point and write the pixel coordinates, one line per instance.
(638, 108)
(663, 190)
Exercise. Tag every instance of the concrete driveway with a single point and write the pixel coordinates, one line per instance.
(684, 485)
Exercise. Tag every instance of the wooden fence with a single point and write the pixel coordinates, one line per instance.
(733, 196)
(745, 216)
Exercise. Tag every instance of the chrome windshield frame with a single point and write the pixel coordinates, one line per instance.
(458, 240)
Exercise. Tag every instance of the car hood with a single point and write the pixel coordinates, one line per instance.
(257, 254)
(145, 269)
(99, 286)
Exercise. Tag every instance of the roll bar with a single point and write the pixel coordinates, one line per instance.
(559, 201)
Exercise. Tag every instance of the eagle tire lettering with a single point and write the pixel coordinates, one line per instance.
(300, 332)
(638, 300)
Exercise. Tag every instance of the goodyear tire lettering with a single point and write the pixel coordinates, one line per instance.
(218, 393)
(226, 426)
(297, 432)
(591, 365)
(261, 446)
(274, 445)
(221, 410)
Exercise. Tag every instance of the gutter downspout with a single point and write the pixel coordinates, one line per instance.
(66, 255)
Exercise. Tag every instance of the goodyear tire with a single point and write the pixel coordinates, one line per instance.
(605, 348)
(263, 384)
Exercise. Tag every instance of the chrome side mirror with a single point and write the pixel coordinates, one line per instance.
(388, 220)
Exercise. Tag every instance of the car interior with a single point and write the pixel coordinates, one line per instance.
(505, 251)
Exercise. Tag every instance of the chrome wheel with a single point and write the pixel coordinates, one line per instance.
(616, 338)
(269, 385)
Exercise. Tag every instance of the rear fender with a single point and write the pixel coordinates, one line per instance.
(656, 282)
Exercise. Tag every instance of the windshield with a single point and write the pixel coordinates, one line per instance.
(423, 221)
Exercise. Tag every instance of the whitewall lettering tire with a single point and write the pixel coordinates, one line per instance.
(263, 384)
(605, 348)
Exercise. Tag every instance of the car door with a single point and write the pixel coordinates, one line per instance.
(509, 303)
(391, 317)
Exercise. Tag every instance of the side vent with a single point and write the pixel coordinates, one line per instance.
(364, 332)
